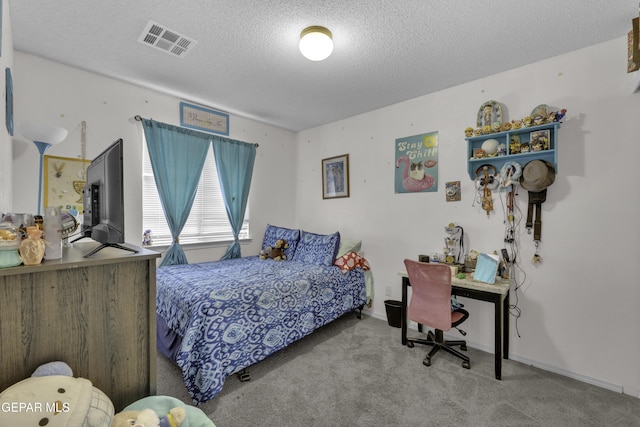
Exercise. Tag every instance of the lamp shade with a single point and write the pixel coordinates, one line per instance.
(316, 43)
(42, 132)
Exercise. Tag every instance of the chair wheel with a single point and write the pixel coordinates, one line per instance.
(463, 347)
(410, 344)
(466, 365)
(427, 361)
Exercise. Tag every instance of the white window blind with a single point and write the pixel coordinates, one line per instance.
(207, 221)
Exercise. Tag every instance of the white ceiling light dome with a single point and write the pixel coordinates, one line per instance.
(316, 43)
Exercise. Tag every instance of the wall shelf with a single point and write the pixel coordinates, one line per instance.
(524, 135)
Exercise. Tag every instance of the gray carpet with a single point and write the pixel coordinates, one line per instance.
(356, 373)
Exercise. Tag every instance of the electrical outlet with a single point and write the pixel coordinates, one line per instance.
(387, 291)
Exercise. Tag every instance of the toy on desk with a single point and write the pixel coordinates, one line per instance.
(454, 243)
(55, 397)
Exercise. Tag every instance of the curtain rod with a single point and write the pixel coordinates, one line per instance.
(139, 119)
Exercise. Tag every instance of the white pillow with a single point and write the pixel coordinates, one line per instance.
(348, 245)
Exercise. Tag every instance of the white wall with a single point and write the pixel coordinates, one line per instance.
(6, 61)
(580, 307)
(52, 93)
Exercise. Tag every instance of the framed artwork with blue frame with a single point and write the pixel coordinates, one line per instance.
(9, 100)
(204, 119)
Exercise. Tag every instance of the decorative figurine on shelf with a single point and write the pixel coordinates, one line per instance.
(502, 149)
(506, 126)
(516, 124)
(552, 117)
(537, 145)
(527, 121)
(486, 129)
(477, 132)
(468, 132)
(560, 114)
(524, 148)
(514, 145)
(539, 120)
(496, 126)
(479, 154)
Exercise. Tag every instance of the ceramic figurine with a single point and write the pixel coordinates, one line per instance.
(468, 132)
(506, 126)
(537, 146)
(486, 130)
(527, 121)
(560, 114)
(495, 127)
(516, 124)
(524, 148)
(514, 146)
(477, 132)
(552, 117)
(32, 248)
(479, 153)
(538, 119)
(502, 150)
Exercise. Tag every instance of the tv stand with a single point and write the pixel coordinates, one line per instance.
(109, 245)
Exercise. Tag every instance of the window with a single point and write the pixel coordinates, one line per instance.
(207, 221)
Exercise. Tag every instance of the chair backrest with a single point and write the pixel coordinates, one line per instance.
(430, 303)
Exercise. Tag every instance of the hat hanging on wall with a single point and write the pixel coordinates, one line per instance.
(537, 175)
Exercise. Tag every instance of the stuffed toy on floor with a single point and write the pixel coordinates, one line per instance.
(148, 418)
(52, 397)
(163, 411)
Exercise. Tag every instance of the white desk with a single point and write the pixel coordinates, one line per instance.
(497, 293)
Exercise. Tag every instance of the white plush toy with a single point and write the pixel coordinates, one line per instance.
(52, 398)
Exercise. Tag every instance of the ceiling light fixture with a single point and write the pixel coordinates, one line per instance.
(316, 43)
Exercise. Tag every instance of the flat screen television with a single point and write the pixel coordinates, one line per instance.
(103, 200)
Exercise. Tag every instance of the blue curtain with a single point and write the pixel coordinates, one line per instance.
(234, 161)
(177, 156)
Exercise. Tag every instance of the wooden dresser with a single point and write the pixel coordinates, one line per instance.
(96, 314)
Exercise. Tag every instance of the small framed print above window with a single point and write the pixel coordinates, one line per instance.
(204, 119)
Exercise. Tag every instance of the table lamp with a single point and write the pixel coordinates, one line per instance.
(44, 136)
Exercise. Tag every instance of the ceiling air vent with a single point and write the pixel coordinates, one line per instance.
(165, 39)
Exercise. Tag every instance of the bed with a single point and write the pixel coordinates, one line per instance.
(217, 318)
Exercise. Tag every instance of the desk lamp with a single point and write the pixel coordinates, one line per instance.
(43, 136)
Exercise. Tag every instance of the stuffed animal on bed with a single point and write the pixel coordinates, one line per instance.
(276, 252)
(53, 397)
(148, 418)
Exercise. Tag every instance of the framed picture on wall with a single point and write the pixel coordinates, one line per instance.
(64, 178)
(335, 177)
(200, 118)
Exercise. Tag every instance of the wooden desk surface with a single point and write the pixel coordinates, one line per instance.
(500, 287)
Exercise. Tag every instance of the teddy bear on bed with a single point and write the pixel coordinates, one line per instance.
(276, 252)
(148, 418)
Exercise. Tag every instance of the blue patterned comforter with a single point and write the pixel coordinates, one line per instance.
(234, 313)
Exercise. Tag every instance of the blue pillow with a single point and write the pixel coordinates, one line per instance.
(274, 233)
(319, 249)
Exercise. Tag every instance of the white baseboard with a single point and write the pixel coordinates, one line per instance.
(631, 391)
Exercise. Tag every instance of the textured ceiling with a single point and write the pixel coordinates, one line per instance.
(246, 60)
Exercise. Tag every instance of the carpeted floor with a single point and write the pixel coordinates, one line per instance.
(356, 373)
